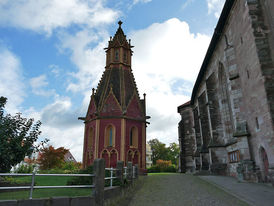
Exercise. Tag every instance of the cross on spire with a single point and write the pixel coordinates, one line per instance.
(120, 23)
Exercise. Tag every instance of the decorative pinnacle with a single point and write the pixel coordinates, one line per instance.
(120, 23)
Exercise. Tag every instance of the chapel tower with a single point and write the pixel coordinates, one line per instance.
(115, 123)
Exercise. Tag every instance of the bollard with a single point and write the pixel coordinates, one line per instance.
(130, 171)
(99, 181)
(136, 172)
(119, 172)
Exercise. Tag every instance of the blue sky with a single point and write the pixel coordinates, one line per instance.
(51, 56)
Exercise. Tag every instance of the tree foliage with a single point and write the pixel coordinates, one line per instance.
(50, 158)
(173, 153)
(161, 152)
(17, 137)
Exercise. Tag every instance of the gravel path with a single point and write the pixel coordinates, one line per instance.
(181, 189)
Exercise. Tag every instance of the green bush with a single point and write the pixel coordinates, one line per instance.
(24, 169)
(53, 171)
(82, 180)
(154, 169)
(157, 169)
(171, 168)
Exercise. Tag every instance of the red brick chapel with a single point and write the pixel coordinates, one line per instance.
(115, 123)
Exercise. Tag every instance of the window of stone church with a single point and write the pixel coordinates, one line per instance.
(110, 136)
(257, 123)
(234, 156)
(133, 137)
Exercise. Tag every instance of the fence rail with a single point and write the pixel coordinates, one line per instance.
(32, 186)
(121, 173)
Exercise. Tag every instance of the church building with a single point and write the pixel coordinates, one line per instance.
(115, 123)
(227, 127)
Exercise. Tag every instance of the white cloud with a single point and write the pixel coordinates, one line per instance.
(38, 82)
(166, 61)
(140, 1)
(187, 3)
(45, 16)
(38, 85)
(11, 79)
(89, 61)
(60, 125)
(215, 6)
(55, 69)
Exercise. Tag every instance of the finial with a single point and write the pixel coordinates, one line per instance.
(120, 23)
(93, 90)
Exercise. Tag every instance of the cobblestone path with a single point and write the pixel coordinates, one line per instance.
(181, 189)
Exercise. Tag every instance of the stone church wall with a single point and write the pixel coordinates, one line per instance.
(233, 105)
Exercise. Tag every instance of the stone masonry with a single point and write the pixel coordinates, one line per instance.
(227, 127)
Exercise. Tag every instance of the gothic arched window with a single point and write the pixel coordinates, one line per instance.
(110, 136)
(133, 137)
(116, 55)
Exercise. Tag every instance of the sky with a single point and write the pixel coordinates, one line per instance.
(52, 55)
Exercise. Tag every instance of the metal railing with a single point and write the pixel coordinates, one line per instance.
(32, 186)
(111, 175)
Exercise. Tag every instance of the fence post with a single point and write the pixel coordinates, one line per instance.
(136, 171)
(99, 181)
(119, 171)
(129, 166)
(32, 185)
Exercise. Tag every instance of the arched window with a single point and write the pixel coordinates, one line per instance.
(133, 137)
(116, 55)
(110, 136)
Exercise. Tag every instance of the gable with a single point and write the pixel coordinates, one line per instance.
(134, 110)
(91, 109)
(111, 107)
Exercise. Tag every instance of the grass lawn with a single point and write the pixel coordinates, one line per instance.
(40, 193)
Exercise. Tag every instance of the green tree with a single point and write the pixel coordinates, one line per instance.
(173, 153)
(17, 137)
(159, 150)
